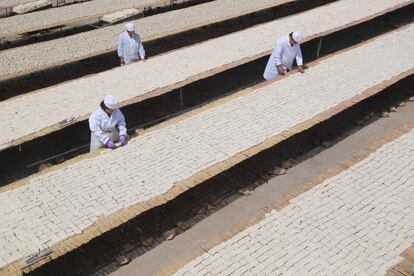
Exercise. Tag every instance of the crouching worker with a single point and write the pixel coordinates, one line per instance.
(107, 125)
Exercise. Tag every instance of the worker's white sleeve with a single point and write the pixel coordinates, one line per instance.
(299, 58)
(121, 124)
(278, 53)
(141, 50)
(120, 47)
(97, 131)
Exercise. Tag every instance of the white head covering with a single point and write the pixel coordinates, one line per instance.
(130, 27)
(111, 102)
(297, 37)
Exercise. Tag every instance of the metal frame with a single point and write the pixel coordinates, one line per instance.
(318, 50)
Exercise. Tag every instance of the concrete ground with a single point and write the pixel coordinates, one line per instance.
(231, 215)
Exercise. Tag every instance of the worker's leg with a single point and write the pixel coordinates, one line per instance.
(270, 72)
(130, 61)
(113, 135)
(95, 143)
(270, 76)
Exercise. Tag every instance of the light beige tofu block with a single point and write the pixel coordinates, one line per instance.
(31, 6)
(119, 15)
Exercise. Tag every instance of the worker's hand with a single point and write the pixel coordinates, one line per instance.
(281, 70)
(301, 69)
(123, 140)
(110, 144)
(122, 61)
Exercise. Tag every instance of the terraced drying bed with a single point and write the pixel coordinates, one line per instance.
(165, 72)
(22, 60)
(80, 199)
(356, 222)
(68, 14)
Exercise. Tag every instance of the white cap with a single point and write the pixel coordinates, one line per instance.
(130, 27)
(297, 36)
(111, 102)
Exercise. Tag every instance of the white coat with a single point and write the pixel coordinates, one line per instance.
(283, 54)
(104, 127)
(130, 48)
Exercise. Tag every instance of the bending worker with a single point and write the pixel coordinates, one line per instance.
(107, 125)
(130, 48)
(281, 60)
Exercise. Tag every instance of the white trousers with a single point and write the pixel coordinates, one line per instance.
(271, 73)
(96, 144)
(132, 60)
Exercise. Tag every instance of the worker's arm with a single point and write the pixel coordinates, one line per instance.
(96, 130)
(299, 60)
(141, 49)
(121, 123)
(121, 49)
(278, 57)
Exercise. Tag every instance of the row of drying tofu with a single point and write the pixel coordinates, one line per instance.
(66, 206)
(30, 58)
(68, 14)
(25, 6)
(154, 77)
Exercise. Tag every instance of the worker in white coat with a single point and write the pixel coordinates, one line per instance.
(107, 125)
(286, 51)
(130, 48)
